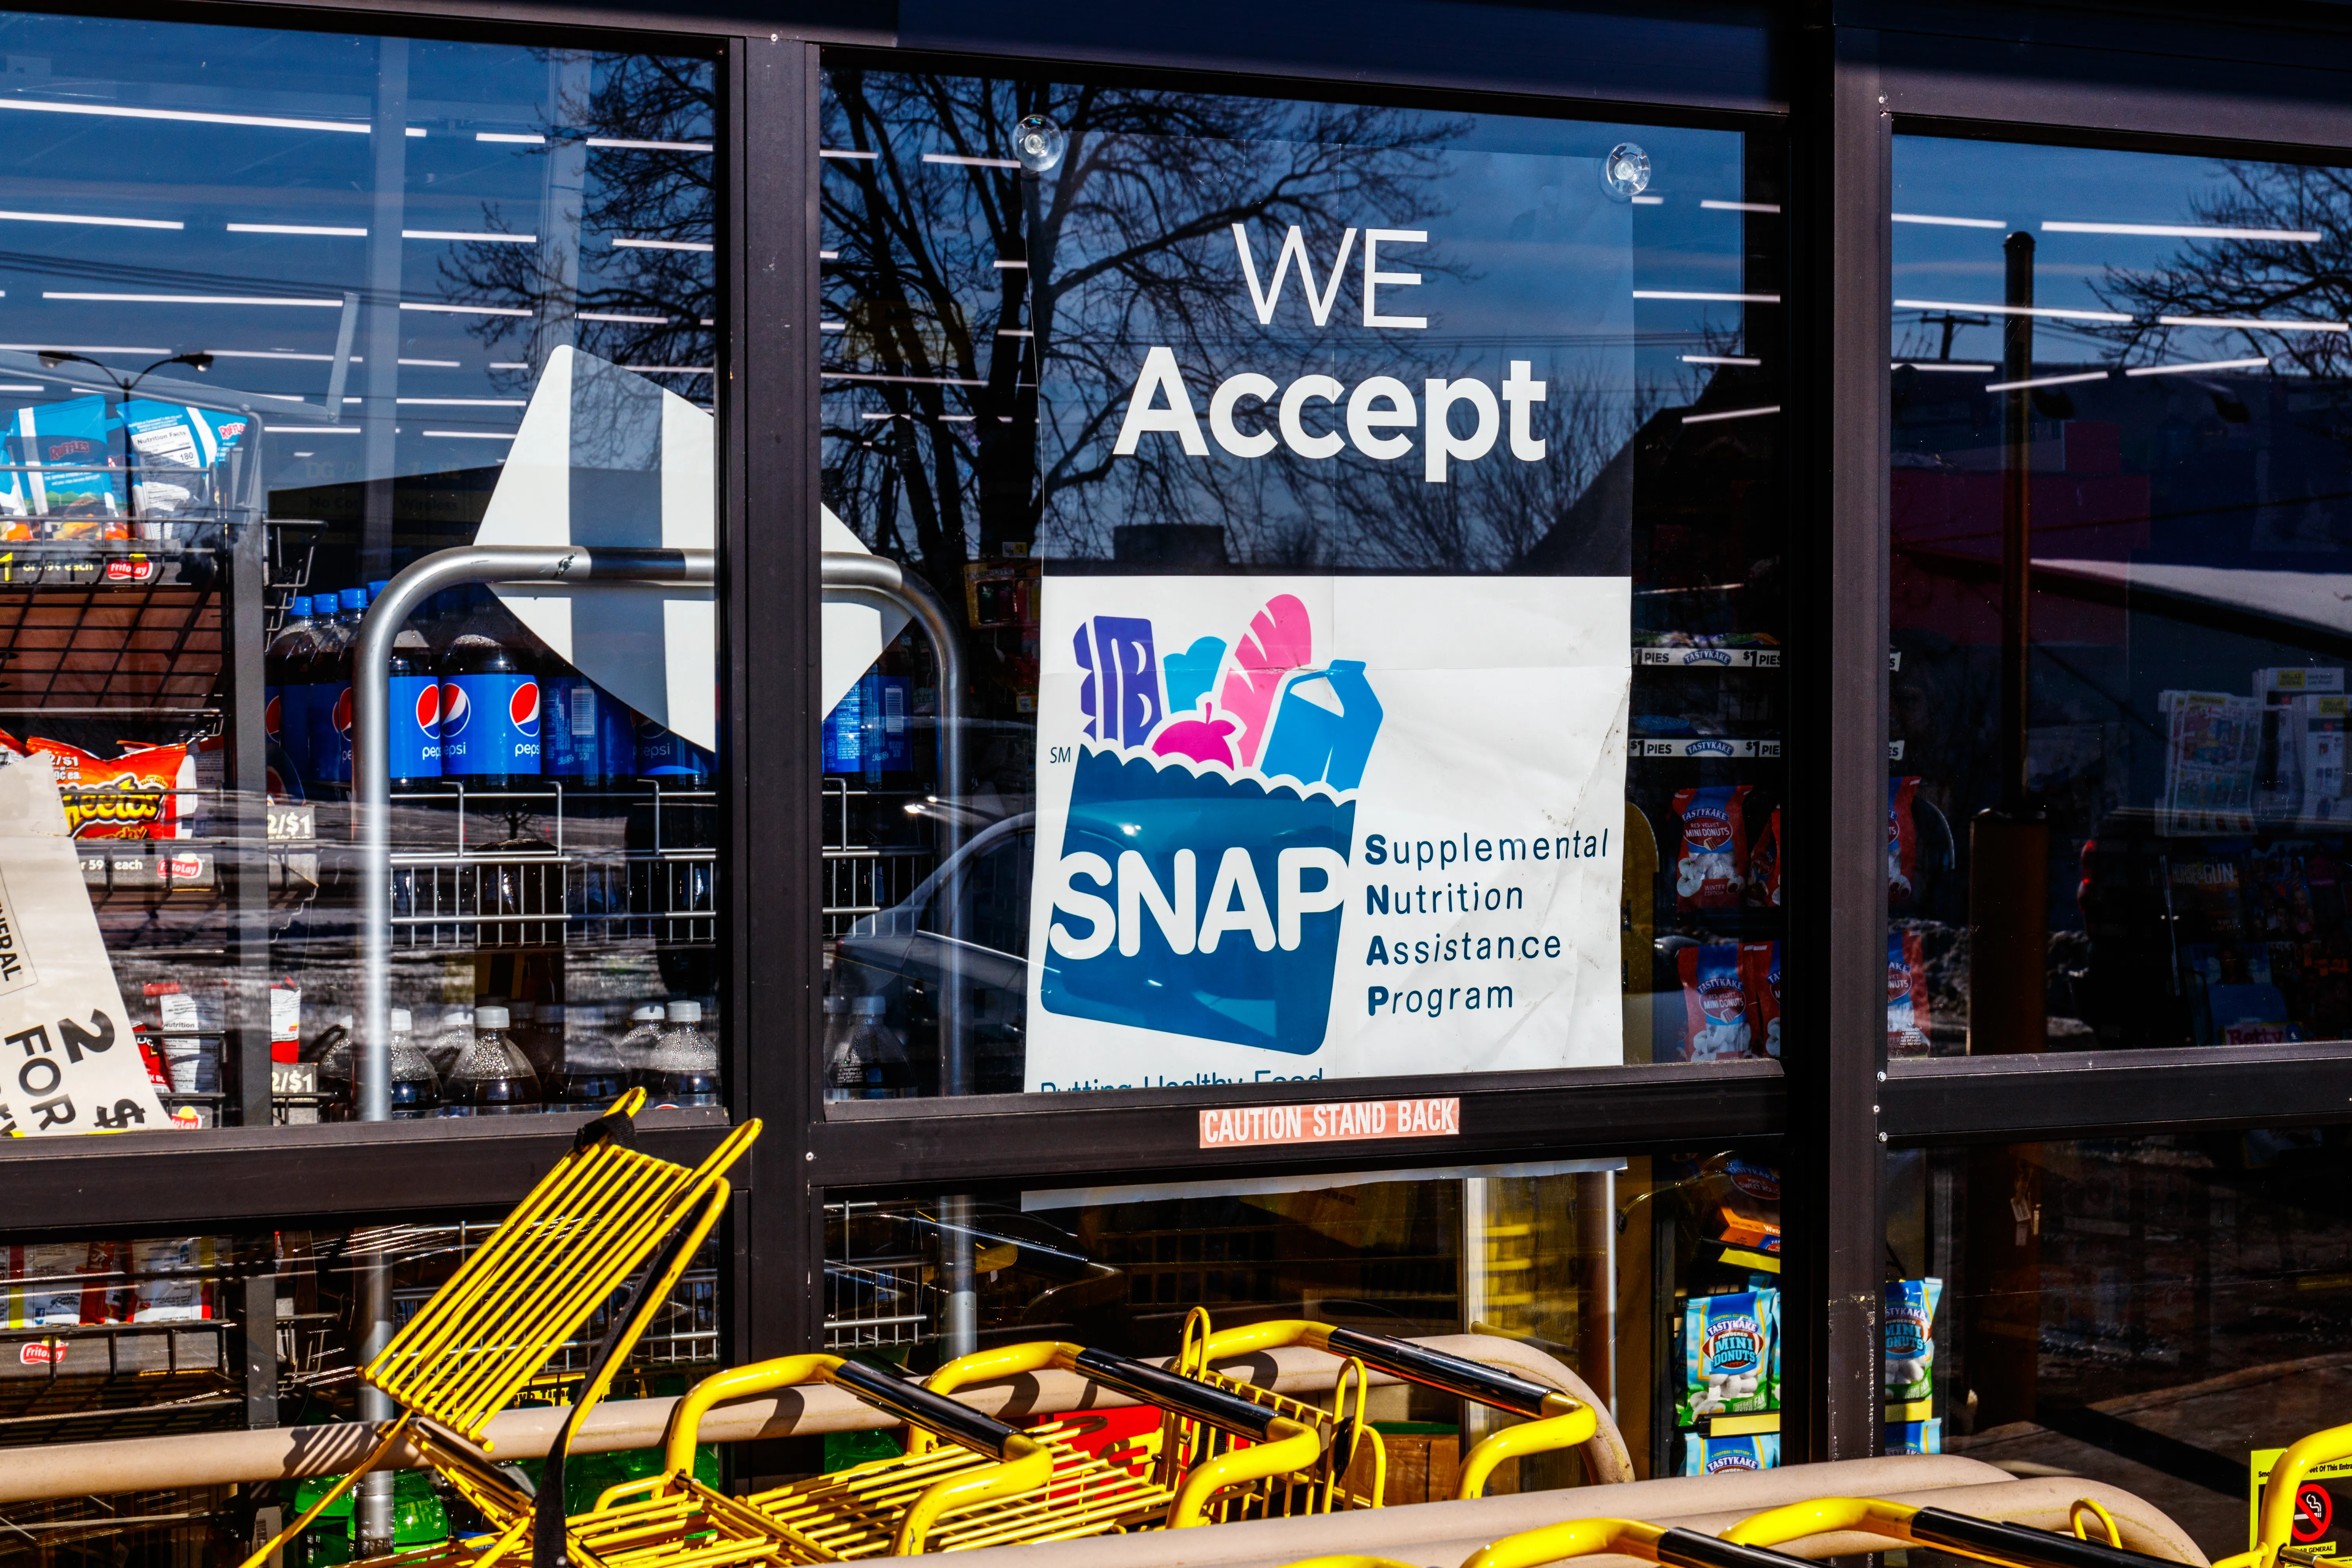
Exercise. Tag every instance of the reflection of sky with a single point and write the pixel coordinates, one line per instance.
(206, 176)
(2023, 187)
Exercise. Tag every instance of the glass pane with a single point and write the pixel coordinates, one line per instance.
(289, 312)
(2118, 484)
(2153, 1312)
(1319, 504)
(146, 1337)
(1600, 1265)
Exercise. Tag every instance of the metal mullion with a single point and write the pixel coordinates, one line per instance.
(1834, 959)
(768, 588)
(2022, 1098)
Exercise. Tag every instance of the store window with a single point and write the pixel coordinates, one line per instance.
(1655, 1281)
(282, 314)
(2160, 1313)
(147, 1337)
(2118, 511)
(1354, 535)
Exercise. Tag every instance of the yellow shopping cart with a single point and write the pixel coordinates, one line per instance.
(1592, 1538)
(1224, 1450)
(1554, 1420)
(2274, 1520)
(604, 1212)
(1962, 1534)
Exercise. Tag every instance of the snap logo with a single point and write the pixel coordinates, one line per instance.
(522, 709)
(1196, 889)
(457, 709)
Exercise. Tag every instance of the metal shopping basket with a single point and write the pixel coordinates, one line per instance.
(604, 1213)
(1554, 1420)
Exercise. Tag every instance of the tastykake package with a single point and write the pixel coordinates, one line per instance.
(1715, 1002)
(1703, 1455)
(1711, 872)
(1728, 1362)
(1911, 1338)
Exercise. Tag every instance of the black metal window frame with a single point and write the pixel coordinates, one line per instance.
(1842, 78)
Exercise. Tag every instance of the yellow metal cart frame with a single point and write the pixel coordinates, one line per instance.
(604, 1212)
(1962, 1534)
(1554, 1420)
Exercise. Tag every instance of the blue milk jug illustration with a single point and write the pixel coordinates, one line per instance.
(1323, 731)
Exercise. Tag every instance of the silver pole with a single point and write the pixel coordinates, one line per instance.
(853, 578)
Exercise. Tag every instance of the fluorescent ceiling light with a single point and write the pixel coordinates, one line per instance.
(85, 217)
(673, 369)
(1943, 364)
(79, 349)
(2050, 311)
(878, 416)
(833, 326)
(919, 380)
(428, 364)
(955, 418)
(1690, 294)
(2187, 231)
(633, 321)
(466, 309)
(2045, 381)
(1715, 206)
(276, 353)
(960, 159)
(2178, 367)
(845, 152)
(1948, 222)
(623, 145)
(187, 116)
(1649, 201)
(523, 138)
(473, 434)
(1729, 414)
(835, 255)
(187, 298)
(621, 244)
(1009, 265)
(295, 228)
(460, 402)
(20, 386)
(417, 131)
(1718, 359)
(1016, 332)
(485, 236)
(509, 364)
(317, 429)
(2252, 324)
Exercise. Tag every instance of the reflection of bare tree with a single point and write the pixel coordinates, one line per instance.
(1492, 516)
(2244, 278)
(1127, 241)
(655, 301)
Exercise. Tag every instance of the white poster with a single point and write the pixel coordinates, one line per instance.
(1327, 826)
(69, 1062)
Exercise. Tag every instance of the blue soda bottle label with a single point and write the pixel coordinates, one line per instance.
(662, 754)
(288, 718)
(415, 725)
(588, 733)
(330, 705)
(490, 726)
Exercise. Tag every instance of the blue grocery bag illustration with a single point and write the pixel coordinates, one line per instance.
(1198, 892)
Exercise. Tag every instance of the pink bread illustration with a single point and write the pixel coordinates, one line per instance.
(1280, 639)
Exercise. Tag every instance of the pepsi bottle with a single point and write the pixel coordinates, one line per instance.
(284, 713)
(589, 736)
(329, 695)
(490, 713)
(665, 756)
(414, 722)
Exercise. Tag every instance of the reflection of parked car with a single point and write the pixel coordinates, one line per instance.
(899, 953)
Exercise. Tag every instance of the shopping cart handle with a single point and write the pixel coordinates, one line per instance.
(1166, 1389)
(1451, 1373)
(918, 1406)
(1690, 1549)
(2019, 1544)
